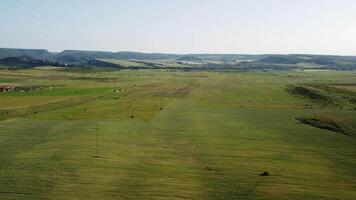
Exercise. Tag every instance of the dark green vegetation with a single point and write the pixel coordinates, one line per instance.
(323, 122)
(326, 95)
(14, 58)
(27, 62)
(163, 134)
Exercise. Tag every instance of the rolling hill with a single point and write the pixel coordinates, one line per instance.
(78, 58)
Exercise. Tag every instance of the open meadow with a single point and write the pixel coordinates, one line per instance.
(169, 134)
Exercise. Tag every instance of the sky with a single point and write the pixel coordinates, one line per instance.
(181, 26)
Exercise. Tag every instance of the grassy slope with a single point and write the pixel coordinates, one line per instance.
(193, 136)
(125, 63)
(148, 63)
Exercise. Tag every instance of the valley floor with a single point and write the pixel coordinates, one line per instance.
(172, 135)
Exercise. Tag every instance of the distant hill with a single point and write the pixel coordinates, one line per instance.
(343, 62)
(227, 57)
(280, 60)
(35, 53)
(145, 56)
(27, 62)
(78, 58)
(83, 56)
(189, 58)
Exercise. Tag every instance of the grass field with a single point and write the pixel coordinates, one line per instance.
(154, 134)
(149, 64)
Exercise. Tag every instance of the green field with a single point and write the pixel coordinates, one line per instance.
(148, 64)
(155, 134)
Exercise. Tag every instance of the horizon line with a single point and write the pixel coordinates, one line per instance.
(174, 53)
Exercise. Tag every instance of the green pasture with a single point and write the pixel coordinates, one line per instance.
(156, 134)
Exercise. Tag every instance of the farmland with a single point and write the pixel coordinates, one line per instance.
(163, 134)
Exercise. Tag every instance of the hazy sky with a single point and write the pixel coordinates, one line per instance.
(181, 26)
